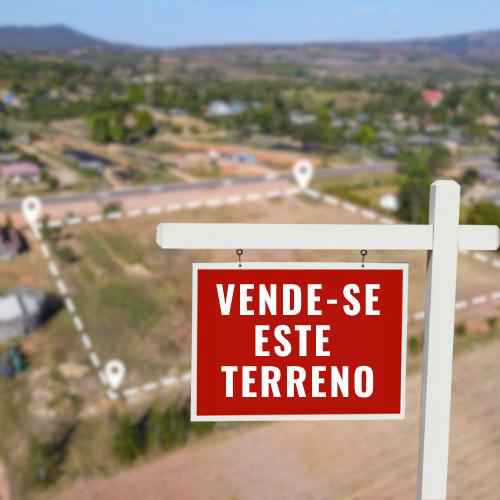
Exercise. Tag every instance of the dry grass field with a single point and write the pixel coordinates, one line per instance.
(136, 299)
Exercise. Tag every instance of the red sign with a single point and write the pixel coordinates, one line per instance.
(288, 341)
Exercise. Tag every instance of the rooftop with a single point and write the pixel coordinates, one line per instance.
(19, 169)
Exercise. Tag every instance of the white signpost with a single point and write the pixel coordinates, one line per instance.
(442, 238)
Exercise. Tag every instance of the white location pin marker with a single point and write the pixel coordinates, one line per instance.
(303, 172)
(32, 209)
(115, 373)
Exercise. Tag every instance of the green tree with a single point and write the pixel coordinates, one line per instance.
(318, 134)
(439, 160)
(5, 134)
(469, 177)
(136, 94)
(144, 124)
(100, 128)
(484, 213)
(414, 190)
(479, 132)
(117, 129)
(324, 127)
(264, 119)
(365, 136)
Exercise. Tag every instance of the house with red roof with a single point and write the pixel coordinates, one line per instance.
(432, 98)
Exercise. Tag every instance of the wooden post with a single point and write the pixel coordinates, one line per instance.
(444, 213)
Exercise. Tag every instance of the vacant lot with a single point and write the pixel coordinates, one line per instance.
(136, 298)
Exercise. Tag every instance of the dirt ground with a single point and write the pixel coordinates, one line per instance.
(277, 159)
(4, 484)
(330, 460)
(123, 252)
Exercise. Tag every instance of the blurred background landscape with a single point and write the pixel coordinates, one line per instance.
(120, 117)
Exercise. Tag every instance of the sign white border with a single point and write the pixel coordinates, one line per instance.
(296, 265)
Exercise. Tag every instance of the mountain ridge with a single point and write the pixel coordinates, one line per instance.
(467, 52)
(55, 37)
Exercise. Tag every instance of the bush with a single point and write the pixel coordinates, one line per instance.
(492, 323)
(112, 207)
(129, 441)
(46, 459)
(415, 344)
(162, 429)
(172, 428)
(461, 330)
(66, 254)
(202, 428)
(49, 233)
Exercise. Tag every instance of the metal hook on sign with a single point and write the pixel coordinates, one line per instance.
(239, 253)
(363, 253)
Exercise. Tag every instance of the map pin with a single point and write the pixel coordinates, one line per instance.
(303, 173)
(32, 209)
(115, 373)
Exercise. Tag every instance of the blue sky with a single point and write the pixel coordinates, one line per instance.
(194, 22)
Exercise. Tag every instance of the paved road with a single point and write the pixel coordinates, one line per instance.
(155, 190)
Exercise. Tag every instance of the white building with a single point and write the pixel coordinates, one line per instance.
(21, 311)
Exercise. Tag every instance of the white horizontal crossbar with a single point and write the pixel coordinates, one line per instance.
(317, 236)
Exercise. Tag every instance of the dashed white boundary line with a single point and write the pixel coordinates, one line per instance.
(135, 392)
(373, 215)
(172, 380)
(172, 207)
(69, 304)
(350, 207)
(466, 304)
(78, 324)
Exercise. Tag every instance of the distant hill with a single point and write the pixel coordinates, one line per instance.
(469, 53)
(56, 38)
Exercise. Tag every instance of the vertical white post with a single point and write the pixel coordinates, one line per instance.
(444, 212)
